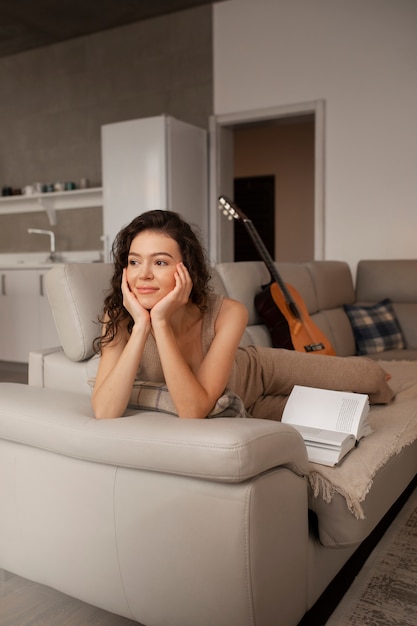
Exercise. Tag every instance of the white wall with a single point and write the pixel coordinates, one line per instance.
(360, 56)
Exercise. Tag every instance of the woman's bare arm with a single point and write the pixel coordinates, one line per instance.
(195, 394)
(119, 363)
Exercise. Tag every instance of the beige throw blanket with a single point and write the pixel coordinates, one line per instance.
(394, 427)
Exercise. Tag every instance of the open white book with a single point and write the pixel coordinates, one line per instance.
(330, 422)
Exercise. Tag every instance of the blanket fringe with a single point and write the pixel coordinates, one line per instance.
(321, 486)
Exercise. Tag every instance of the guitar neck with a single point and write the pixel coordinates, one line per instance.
(267, 259)
(233, 212)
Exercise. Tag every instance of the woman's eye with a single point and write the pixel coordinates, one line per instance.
(160, 262)
(133, 263)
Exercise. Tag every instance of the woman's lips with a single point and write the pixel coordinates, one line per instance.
(146, 290)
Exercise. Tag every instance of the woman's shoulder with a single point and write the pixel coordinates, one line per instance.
(229, 307)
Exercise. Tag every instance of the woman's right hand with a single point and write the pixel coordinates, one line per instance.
(139, 314)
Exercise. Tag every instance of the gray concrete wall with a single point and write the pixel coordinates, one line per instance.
(54, 100)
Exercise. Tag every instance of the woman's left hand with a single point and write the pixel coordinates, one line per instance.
(176, 298)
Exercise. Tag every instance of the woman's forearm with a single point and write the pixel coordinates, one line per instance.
(114, 383)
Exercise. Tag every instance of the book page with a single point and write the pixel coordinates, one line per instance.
(319, 436)
(326, 456)
(323, 456)
(326, 409)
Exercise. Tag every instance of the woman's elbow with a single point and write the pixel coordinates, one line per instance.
(105, 412)
(198, 411)
(104, 415)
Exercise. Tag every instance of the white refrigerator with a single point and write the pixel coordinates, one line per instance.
(153, 163)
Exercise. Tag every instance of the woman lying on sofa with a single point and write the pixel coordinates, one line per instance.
(165, 332)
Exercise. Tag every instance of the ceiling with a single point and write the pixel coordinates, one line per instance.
(28, 24)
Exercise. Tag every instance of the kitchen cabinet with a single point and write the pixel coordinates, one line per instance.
(26, 321)
(153, 163)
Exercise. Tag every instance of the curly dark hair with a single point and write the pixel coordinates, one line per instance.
(193, 256)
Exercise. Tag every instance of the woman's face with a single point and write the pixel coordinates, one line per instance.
(151, 266)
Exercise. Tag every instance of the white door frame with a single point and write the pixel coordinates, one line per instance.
(221, 178)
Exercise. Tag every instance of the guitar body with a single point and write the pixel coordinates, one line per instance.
(281, 307)
(286, 330)
(274, 319)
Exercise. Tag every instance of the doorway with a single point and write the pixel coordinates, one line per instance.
(255, 196)
(226, 165)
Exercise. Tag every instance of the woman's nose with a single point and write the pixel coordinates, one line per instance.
(145, 270)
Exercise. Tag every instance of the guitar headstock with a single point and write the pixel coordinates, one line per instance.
(230, 209)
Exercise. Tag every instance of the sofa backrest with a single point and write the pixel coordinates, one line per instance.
(325, 287)
(395, 279)
(76, 294)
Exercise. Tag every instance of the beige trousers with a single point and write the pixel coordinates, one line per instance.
(264, 377)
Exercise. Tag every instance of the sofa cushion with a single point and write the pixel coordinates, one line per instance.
(333, 284)
(242, 281)
(375, 327)
(393, 278)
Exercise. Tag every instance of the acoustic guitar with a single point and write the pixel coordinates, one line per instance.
(280, 305)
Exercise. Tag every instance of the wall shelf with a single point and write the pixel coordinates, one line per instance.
(52, 202)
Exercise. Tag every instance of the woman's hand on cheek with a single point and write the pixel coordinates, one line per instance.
(183, 284)
(131, 303)
(176, 298)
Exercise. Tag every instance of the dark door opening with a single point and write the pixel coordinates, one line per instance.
(255, 195)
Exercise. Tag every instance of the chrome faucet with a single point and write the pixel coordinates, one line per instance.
(40, 231)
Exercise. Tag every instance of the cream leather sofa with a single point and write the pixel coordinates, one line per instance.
(186, 522)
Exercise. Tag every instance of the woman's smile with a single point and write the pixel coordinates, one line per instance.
(148, 295)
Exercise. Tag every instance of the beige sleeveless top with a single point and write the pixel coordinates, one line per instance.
(150, 368)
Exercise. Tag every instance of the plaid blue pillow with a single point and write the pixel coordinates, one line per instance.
(375, 327)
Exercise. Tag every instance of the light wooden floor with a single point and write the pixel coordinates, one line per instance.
(13, 372)
(25, 603)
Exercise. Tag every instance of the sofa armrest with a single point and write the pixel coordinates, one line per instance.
(222, 449)
(36, 366)
(52, 369)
